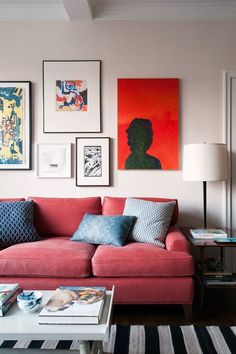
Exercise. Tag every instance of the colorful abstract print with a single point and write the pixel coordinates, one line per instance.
(92, 161)
(71, 95)
(11, 125)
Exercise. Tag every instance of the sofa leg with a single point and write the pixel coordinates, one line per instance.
(188, 311)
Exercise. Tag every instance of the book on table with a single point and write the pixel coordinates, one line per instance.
(74, 305)
(6, 291)
(210, 234)
(7, 305)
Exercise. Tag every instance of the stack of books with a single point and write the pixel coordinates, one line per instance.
(229, 280)
(8, 295)
(210, 234)
(74, 305)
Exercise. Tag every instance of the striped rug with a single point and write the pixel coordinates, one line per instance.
(145, 340)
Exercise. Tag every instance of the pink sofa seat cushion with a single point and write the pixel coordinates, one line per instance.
(51, 257)
(140, 260)
(62, 216)
(115, 206)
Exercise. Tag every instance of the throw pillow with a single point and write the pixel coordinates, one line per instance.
(16, 223)
(153, 220)
(99, 229)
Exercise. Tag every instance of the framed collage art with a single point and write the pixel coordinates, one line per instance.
(71, 96)
(15, 125)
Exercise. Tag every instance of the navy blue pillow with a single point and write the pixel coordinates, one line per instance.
(106, 230)
(16, 223)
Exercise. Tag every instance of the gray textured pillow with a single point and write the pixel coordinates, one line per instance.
(153, 220)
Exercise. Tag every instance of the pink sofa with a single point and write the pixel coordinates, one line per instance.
(142, 273)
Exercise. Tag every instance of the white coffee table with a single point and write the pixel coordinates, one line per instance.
(17, 325)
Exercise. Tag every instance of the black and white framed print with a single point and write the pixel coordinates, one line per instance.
(92, 162)
(71, 96)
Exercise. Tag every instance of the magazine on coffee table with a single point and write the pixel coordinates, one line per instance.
(74, 305)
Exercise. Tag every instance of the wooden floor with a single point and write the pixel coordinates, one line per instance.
(219, 309)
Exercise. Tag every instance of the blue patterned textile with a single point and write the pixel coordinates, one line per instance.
(106, 230)
(153, 220)
(16, 223)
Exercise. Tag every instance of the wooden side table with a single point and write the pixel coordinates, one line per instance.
(217, 278)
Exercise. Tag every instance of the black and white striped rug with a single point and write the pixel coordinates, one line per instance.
(146, 340)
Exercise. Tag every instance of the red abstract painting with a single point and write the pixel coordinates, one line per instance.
(148, 123)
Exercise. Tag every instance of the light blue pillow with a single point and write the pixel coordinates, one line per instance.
(106, 230)
(153, 220)
(17, 223)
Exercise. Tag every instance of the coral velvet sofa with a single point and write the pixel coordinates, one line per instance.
(142, 273)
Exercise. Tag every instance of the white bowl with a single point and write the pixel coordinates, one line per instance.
(29, 301)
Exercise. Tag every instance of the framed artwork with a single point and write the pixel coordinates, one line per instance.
(15, 125)
(148, 123)
(71, 96)
(92, 162)
(54, 160)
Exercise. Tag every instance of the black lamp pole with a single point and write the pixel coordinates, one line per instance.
(205, 203)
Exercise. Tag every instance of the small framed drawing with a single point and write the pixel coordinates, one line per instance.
(92, 162)
(54, 160)
(71, 96)
(15, 125)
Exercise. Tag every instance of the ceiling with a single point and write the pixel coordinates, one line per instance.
(93, 10)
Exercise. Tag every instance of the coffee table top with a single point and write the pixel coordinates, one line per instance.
(17, 324)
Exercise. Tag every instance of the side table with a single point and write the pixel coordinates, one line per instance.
(218, 279)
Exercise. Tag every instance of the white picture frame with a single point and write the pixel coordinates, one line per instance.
(92, 162)
(54, 160)
(71, 96)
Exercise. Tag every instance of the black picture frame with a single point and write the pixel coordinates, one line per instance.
(71, 96)
(92, 161)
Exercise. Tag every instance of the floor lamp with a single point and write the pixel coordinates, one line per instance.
(205, 162)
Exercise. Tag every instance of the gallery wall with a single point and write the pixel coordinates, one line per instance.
(195, 52)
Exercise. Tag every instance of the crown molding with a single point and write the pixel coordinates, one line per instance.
(32, 11)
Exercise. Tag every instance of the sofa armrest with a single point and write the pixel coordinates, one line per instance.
(176, 241)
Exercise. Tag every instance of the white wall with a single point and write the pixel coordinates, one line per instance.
(195, 52)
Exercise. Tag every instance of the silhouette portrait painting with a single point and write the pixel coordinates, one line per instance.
(140, 136)
(148, 124)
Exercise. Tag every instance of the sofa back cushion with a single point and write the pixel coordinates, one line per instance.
(12, 199)
(115, 206)
(62, 216)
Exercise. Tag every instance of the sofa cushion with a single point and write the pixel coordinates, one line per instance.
(108, 230)
(140, 260)
(51, 257)
(153, 220)
(115, 206)
(62, 216)
(12, 199)
(17, 223)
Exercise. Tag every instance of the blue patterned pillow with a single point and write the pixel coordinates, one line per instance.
(16, 223)
(106, 230)
(153, 220)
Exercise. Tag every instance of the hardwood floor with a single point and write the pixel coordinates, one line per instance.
(219, 309)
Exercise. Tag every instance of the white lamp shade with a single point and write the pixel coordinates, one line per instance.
(205, 162)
